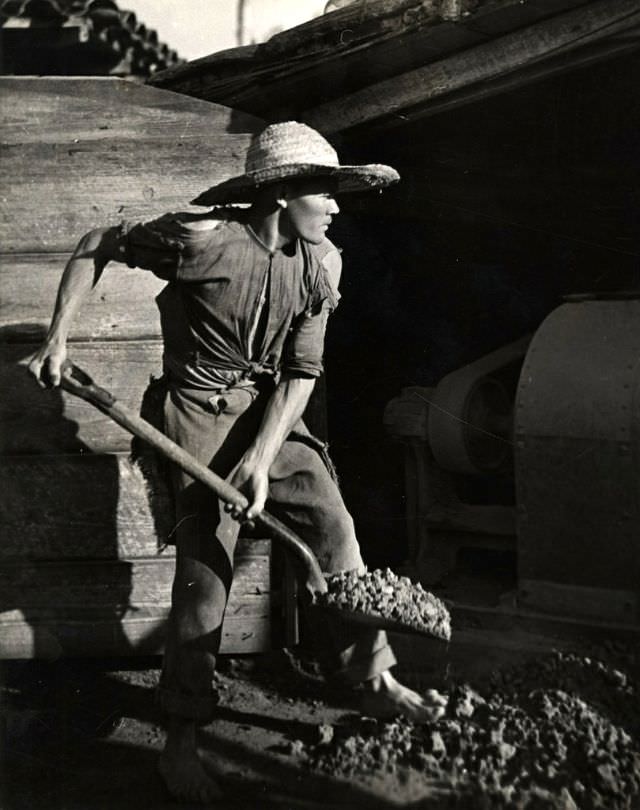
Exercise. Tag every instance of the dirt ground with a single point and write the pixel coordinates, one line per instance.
(79, 735)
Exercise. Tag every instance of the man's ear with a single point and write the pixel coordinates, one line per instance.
(282, 195)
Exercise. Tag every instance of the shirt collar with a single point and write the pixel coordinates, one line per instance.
(290, 249)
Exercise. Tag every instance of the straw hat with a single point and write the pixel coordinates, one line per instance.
(291, 150)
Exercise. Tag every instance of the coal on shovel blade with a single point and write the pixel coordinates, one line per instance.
(380, 622)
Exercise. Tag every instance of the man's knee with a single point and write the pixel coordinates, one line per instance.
(339, 549)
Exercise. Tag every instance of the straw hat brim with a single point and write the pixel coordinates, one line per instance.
(349, 179)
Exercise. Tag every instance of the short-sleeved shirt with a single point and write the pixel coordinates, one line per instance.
(233, 308)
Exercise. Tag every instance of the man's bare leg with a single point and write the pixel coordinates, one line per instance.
(180, 765)
(385, 697)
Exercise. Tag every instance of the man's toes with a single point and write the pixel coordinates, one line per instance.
(436, 713)
(419, 709)
(435, 698)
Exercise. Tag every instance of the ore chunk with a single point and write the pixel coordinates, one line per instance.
(325, 734)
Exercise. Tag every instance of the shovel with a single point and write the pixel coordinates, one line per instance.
(75, 381)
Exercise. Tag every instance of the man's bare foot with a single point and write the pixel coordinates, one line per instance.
(181, 768)
(384, 697)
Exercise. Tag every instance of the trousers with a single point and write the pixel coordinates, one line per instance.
(302, 493)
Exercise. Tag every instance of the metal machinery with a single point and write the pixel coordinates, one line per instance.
(555, 419)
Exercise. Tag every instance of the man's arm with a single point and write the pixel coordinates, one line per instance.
(284, 410)
(80, 276)
(288, 401)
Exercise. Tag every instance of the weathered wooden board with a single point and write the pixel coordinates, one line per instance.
(78, 153)
(90, 506)
(243, 636)
(420, 91)
(130, 635)
(62, 589)
(72, 109)
(278, 84)
(346, 50)
(84, 568)
(120, 608)
(108, 588)
(121, 307)
(96, 507)
(37, 420)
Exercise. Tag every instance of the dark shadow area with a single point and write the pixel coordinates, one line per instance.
(60, 568)
(77, 697)
(287, 782)
(482, 576)
(97, 774)
(241, 122)
(292, 674)
(108, 775)
(504, 207)
(75, 734)
(291, 728)
(56, 720)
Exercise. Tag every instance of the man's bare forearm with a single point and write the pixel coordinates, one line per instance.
(81, 274)
(285, 408)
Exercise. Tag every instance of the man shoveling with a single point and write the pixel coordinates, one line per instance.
(243, 319)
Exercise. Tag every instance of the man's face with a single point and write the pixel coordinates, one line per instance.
(310, 208)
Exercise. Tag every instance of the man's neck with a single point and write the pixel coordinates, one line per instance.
(269, 229)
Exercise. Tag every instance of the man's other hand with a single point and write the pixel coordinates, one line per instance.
(46, 364)
(253, 482)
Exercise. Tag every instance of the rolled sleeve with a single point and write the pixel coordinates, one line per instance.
(305, 347)
(159, 245)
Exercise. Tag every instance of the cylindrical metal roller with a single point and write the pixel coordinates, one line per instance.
(577, 432)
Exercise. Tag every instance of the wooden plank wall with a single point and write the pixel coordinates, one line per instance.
(84, 514)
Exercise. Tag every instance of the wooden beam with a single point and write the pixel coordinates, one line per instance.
(551, 38)
(545, 69)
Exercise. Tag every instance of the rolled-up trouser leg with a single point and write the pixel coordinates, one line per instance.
(305, 496)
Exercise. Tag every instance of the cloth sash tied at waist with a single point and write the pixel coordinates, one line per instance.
(196, 372)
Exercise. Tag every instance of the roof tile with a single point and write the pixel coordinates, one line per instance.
(118, 28)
